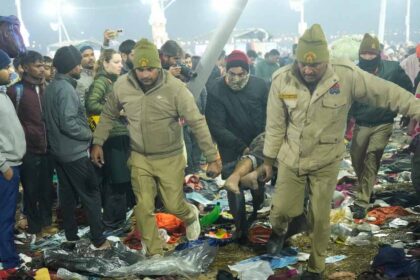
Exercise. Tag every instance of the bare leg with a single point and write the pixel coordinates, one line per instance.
(243, 167)
(250, 180)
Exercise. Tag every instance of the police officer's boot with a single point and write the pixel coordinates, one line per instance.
(307, 275)
(275, 244)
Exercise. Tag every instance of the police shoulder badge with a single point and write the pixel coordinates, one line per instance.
(143, 62)
(335, 89)
(309, 57)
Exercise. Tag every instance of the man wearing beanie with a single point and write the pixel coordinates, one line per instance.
(69, 138)
(235, 112)
(12, 150)
(153, 101)
(373, 124)
(86, 76)
(307, 112)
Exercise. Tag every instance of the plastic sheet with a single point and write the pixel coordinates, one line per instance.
(120, 261)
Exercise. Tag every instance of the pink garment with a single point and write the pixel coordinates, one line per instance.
(411, 66)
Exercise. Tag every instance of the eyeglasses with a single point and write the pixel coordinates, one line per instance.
(239, 75)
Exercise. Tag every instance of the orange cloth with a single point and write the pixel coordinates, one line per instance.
(384, 213)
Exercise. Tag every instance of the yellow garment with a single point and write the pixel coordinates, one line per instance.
(93, 122)
(42, 274)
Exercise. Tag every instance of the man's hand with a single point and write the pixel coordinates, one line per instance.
(97, 155)
(8, 174)
(108, 36)
(214, 169)
(175, 70)
(266, 172)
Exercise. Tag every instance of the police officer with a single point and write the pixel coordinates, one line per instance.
(306, 117)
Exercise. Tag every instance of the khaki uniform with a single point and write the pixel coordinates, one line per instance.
(157, 162)
(305, 134)
(367, 147)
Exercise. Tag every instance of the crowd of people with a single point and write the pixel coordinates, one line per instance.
(115, 131)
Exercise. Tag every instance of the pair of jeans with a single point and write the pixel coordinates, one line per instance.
(8, 199)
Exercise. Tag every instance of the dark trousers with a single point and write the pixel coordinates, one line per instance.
(415, 171)
(8, 200)
(237, 204)
(78, 178)
(36, 178)
(115, 181)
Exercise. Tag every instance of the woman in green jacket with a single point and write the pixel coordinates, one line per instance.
(115, 176)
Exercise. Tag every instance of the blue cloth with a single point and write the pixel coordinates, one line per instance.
(8, 200)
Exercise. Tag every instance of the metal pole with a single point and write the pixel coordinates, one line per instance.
(382, 19)
(215, 47)
(407, 22)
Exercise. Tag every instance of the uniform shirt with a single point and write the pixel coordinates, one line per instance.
(306, 131)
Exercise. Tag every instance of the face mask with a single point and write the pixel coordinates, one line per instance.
(369, 65)
(236, 83)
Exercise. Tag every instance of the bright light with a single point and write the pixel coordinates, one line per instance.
(53, 7)
(222, 6)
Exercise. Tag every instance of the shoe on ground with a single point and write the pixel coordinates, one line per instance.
(307, 275)
(359, 212)
(275, 244)
(104, 246)
(194, 229)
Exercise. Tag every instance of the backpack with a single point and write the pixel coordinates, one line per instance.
(11, 40)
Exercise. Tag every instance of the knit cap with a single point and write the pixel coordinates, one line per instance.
(312, 46)
(66, 58)
(4, 59)
(146, 55)
(237, 59)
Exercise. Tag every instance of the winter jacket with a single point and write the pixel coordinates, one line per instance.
(29, 111)
(235, 118)
(368, 115)
(68, 132)
(153, 117)
(96, 98)
(265, 70)
(12, 136)
(306, 131)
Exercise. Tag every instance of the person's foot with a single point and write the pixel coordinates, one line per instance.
(250, 180)
(194, 229)
(232, 183)
(307, 275)
(104, 246)
(275, 244)
(359, 212)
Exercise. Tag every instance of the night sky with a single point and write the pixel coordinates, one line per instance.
(190, 18)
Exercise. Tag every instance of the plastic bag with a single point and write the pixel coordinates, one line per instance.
(120, 261)
(11, 40)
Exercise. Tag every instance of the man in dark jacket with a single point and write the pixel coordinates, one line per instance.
(69, 137)
(36, 174)
(236, 112)
(373, 125)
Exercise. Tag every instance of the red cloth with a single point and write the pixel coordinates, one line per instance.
(382, 214)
